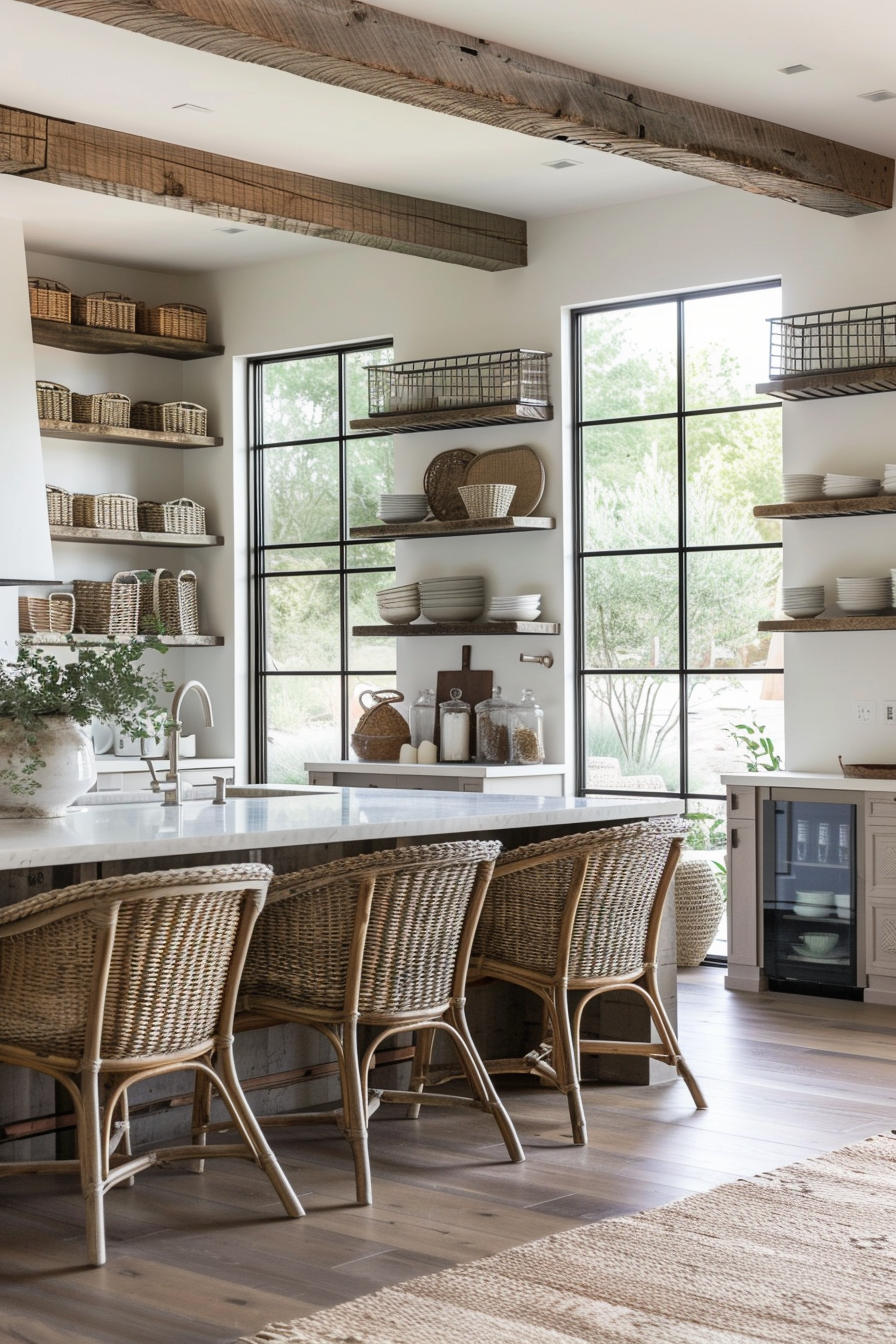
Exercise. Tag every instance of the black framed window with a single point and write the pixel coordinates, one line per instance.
(673, 573)
(312, 479)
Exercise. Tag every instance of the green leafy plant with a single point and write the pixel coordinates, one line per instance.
(108, 683)
(760, 749)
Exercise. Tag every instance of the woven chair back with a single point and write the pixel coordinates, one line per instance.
(173, 936)
(301, 951)
(524, 909)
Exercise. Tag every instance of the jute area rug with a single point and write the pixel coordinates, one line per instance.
(802, 1255)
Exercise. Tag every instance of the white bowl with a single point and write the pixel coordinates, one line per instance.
(400, 615)
(802, 613)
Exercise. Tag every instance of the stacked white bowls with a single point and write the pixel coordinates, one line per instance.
(806, 601)
(888, 485)
(523, 608)
(402, 508)
(453, 599)
(864, 596)
(850, 487)
(399, 605)
(801, 486)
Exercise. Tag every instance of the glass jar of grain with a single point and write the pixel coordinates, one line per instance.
(525, 730)
(492, 741)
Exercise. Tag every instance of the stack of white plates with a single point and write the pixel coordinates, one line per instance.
(523, 608)
(799, 485)
(888, 486)
(402, 508)
(850, 487)
(400, 604)
(453, 599)
(864, 596)
(807, 601)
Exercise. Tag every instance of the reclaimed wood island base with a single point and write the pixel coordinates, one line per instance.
(288, 1067)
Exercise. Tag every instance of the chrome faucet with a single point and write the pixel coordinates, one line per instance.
(171, 785)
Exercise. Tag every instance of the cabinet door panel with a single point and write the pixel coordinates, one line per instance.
(743, 894)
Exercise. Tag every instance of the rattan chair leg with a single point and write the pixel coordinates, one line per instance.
(565, 1060)
(231, 1093)
(91, 1159)
(423, 1048)
(202, 1114)
(465, 1045)
(354, 1103)
(667, 1032)
(125, 1145)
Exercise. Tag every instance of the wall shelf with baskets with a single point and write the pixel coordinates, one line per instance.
(113, 536)
(147, 438)
(832, 352)
(107, 341)
(844, 383)
(466, 628)
(451, 527)
(414, 422)
(80, 640)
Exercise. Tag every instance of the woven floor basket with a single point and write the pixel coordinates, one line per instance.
(102, 408)
(104, 309)
(170, 417)
(54, 401)
(59, 506)
(118, 511)
(108, 608)
(53, 614)
(169, 604)
(381, 731)
(49, 299)
(184, 321)
(181, 516)
(699, 906)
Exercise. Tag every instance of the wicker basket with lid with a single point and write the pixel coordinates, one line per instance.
(381, 731)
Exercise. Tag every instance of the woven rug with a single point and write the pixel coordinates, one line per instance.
(802, 1255)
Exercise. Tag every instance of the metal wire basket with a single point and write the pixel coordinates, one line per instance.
(493, 378)
(832, 339)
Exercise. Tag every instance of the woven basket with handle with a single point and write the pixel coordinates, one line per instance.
(53, 614)
(170, 417)
(170, 604)
(108, 608)
(49, 299)
(182, 516)
(54, 401)
(116, 511)
(104, 309)
(381, 731)
(184, 321)
(59, 506)
(102, 408)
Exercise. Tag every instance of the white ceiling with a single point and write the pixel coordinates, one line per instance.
(696, 48)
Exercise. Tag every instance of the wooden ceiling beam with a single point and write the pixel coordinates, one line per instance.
(132, 168)
(359, 46)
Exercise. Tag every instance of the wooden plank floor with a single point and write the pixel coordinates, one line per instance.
(204, 1259)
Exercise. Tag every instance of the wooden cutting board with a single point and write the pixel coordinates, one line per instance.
(474, 686)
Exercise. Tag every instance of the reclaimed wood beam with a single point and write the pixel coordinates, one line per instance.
(130, 167)
(358, 46)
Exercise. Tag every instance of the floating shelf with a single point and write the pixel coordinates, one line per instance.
(457, 417)
(820, 625)
(843, 383)
(105, 341)
(467, 628)
(178, 641)
(828, 508)
(148, 438)
(452, 527)
(111, 536)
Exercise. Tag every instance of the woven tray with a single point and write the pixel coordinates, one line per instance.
(104, 309)
(54, 401)
(381, 731)
(59, 506)
(184, 321)
(53, 614)
(170, 417)
(49, 299)
(521, 467)
(118, 511)
(181, 516)
(108, 608)
(441, 479)
(102, 408)
(867, 771)
(170, 605)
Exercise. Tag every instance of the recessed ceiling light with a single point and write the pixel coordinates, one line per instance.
(189, 107)
(230, 229)
(793, 69)
(878, 95)
(563, 163)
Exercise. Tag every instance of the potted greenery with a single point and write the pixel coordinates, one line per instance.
(46, 760)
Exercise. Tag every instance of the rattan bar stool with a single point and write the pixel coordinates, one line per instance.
(381, 940)
(582, 913)
(109, 982)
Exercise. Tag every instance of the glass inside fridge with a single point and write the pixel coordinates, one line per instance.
(809, 896)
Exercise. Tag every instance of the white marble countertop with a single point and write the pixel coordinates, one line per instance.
(94, 834)
(468, 770)
(798, 779)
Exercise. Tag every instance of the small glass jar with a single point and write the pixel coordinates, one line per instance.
(423, 718)
(526, 736)
(492, 741)
(454, 728)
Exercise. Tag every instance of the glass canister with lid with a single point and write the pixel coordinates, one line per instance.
(492, 740)
(525, 730)
(454, 728)
(423, 718)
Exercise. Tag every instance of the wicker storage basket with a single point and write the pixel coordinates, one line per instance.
(54, 402)
(184, 321)
(866, 771)
(119, 511)
(183, 516)
(108, 608)
(102, 408)
(699, 906)
(53, 614)
(49, 299)
(104, 309)
(381, 731)
(170, 417)
(170, 605)
(59, 506)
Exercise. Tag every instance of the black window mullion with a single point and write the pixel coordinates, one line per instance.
(682, 557)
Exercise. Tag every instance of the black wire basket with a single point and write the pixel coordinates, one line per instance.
(495, 378)
(832, 339)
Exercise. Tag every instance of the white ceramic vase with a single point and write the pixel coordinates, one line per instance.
(69, 769)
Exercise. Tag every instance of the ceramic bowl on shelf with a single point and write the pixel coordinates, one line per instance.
(837, 486)
(803, 602)
(864, 596)
(402, 508)
(801, 486)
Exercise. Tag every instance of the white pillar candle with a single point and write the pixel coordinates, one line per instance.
(455, 737)
(427, 754)
(407, 755)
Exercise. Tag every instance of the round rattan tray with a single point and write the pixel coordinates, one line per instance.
(867, 771)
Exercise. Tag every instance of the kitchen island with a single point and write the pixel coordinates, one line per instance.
(290, 1067)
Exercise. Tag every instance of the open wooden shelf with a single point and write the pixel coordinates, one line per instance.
(105, 341)
(821, 625)
(456, 417)
(828, 508)
(463, 628)
(178, 641)
(147, 438)
(111, 536)
(452, 527)
(844, 383)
